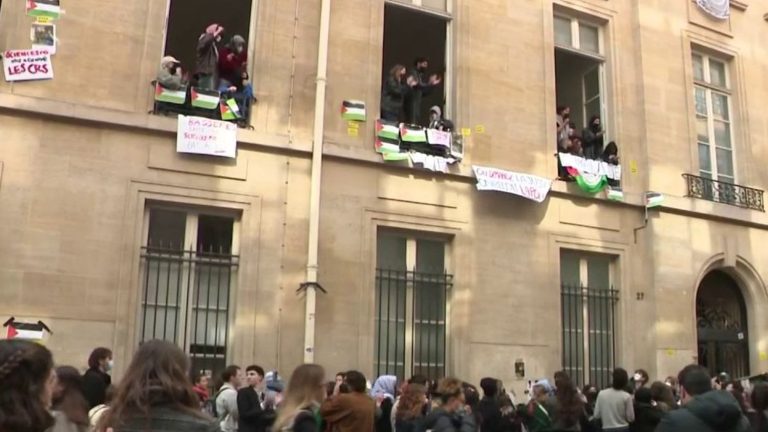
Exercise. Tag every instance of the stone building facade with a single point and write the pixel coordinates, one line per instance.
(111, 236)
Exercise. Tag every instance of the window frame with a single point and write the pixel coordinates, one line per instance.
(410, 325)
(192, 215)
(710, 90)
(575, 46)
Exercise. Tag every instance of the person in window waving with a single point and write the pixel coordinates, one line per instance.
(422, 88)
(208, 57)
(396, 87)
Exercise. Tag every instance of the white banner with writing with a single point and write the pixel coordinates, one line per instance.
(719, 9)
(525, 185)
(206, 136)
(27, 65)
(589, 166)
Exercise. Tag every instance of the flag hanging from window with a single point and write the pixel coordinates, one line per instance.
(720, 9)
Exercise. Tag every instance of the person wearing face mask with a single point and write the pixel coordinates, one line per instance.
(422, 88)
(208, 57)
(593, 138)
(96, 379)
(233, 73)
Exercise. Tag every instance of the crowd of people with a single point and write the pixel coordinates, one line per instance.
(158, 393)
(222, 68)
(589, 144)
(403, 92)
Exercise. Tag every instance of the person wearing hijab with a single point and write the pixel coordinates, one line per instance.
(384, 392)
(208, 57)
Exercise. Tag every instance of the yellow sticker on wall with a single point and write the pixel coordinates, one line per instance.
(480, 129)
(633, 166)
(670, 352)
(353, 132)
(466, 131)
(763, 355)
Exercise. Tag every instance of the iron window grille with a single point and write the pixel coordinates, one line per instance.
(185, 300)
(723, 192)
(411, 317)
(589, 333)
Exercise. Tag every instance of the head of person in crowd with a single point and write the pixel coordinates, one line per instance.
(451, 394)
(305, 391)
(564, 111)
(620, 379)
(101, 360)
(545, 385)
(471, 395)
(412, 402)
(737, 390)
(385, 387)
(490, 387)
(611, 153)
(571, 129)
(68, 396)
(590, 393)
(356, 382)
(158, 376)
(569, 402)
(759, 400)
(421, 64)
(233, 376)
(594, 124)
(27, 380)
(576, 148)
(644, 395)
(236, 44)
(397, 72)
(694, 381)
(254, 376)
(662, 395)
(200, 380)
(540, 392)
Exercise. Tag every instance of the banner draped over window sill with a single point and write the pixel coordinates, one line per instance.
(719, 9)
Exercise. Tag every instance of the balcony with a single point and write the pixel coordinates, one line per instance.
(725, 193)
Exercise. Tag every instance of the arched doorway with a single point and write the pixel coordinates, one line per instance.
(721, 318)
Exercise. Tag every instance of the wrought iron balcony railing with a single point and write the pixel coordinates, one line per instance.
(726, 193)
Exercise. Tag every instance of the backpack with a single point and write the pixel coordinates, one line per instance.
(211, 404)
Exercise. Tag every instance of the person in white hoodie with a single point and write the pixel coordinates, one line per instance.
(226, 398)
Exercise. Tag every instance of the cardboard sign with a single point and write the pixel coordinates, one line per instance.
(206, 136)
(528, 186)
(27, 65)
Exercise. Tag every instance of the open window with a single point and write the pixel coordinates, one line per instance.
(418, 29)
(580, 71)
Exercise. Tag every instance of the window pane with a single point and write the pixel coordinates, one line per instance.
(705, 163)
(214, 234)
(724, 162)
(390, 322)
(722, 134)
(429, 324)
(598, 268)
(569, 268)
(717, 73)
(592, 84)
(434, 4)
(166, 229)
(698, 67)
(720, 106)
(563, 31)
(702, 129)
(390, 252)
(430, 256)
(700, 99)
(588, 38)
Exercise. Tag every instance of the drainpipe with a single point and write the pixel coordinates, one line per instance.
(311, 286)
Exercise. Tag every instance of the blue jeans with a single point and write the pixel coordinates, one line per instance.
(243, 98)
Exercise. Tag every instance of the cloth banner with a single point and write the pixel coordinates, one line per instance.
(525, 185)
(206, 136)
(589, 183)
(27, 65)
(589, 166)
(720, 9)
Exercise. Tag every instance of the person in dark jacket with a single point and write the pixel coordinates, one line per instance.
(254, 414)
(411, 406)
(96, 379)
(489, 408)
(155, 394)
(207, 63)
(452, 414)
(395, 89)
(704, 409)
(647, 413)
(593, 138)
(423, 87)
(758, 415)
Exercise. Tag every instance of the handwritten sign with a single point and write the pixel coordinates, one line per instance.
(27, 65)
(205, 136)
(525, 185)
(439, 138)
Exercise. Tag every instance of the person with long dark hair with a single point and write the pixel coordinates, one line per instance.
(614, 406)
(759, 415)
(96, 379)
(70, 409)
(411, 407)
(567, 408)
(647, 415)
(593, 138)
(396, 87)
(301, 401)
(27, 381)
(663, 397)
(155, 394)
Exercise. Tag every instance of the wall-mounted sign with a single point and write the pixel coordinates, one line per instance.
(200, 135)
(27, 65)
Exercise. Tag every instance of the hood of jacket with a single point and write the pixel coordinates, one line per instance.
(718, 409)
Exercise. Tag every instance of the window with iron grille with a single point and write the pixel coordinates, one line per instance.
(588, 312)
(188, 272)
(412, 303)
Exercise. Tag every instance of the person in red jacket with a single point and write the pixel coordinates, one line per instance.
(233, 73)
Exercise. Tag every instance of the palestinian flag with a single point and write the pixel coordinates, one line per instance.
(163, 94)
(396, 157)
(653, 199)
(205, 99)
(230, 110)
(388, 130)
(26, 331)
(353, 110)
(412, 134)
(615, 194)
(44, 8)
(384, 145)
(589, 183)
